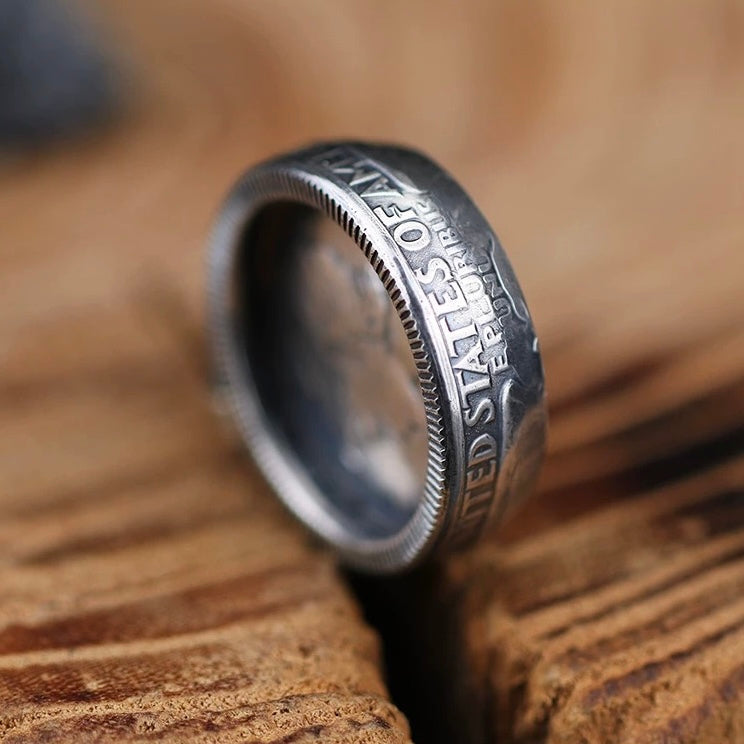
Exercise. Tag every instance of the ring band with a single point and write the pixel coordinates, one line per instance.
(388, 460)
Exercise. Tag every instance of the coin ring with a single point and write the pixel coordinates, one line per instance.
(466, 321)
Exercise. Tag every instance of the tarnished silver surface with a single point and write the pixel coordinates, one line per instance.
(377, 351)
(346, 329)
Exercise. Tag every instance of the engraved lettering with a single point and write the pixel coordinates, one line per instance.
(380, 187)
(491, 336)
(360, 176)
(412, 235)
(463, 267)
(483, 447)
(453, 335)
(498, 364)
(469, 388)
(453, 299)
(472, 307)
(448, 236)
(393, 217)
(470, 361)
(480, 475)
(482, 413)
(433, 268)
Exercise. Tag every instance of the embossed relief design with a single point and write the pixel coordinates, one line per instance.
(484, 331)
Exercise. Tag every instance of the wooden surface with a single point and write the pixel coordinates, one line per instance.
(625, 625)
(150, 586)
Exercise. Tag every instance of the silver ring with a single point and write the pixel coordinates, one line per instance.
(377, 351)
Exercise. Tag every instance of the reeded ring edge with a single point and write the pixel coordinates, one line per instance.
(280, 466)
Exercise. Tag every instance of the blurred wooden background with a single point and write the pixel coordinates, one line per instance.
(150, 588)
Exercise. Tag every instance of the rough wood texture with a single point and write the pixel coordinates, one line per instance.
(614, 612)
(624, 625)
(150, 586)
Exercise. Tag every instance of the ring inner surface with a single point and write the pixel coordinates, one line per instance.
(332, 366)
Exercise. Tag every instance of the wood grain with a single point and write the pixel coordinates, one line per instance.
(150, 587)
(622, 625)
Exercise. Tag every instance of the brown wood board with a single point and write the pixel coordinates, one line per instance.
(150, 586)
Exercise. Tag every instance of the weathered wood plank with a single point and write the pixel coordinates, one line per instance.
(149, 585)
(623, 625)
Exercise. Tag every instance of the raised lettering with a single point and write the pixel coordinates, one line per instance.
(482, 413)
(403, 231)
(434, 267)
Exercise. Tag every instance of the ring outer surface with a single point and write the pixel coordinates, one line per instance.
(466, 320)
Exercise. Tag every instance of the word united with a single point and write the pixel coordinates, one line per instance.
(466, 296)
